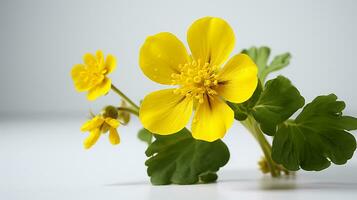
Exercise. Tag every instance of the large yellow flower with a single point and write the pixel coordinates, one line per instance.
(98, 125)
(202, 83)
(91, 76)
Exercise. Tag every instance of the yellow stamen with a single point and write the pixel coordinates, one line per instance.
(196, 79)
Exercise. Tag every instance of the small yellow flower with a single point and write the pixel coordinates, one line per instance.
(201, 82)
(263, 165)
(91, 76)
(98, 125)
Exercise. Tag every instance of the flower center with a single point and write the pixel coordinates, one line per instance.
(92, 77)
(196, 79)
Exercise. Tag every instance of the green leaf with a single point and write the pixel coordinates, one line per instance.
(317, 137)
(180, 159)
(208, 177)
(278, 101)
(278, 63)
(145, 136)
(261, 57)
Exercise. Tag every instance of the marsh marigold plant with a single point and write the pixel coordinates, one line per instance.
(211, 89)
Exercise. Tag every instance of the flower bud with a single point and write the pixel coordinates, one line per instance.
(110, 111)
(263, 165)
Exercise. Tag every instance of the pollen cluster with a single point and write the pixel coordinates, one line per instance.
(196, 79)
(92, 76)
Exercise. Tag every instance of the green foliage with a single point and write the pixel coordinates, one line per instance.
(145, 136)
(316, 137)
(180, 159)
(261, 57)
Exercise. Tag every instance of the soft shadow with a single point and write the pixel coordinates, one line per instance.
(295, 185)
(195, 191)
(252, 180)
(329, 185)
(284, 183)
(291, 183)
(130, 183)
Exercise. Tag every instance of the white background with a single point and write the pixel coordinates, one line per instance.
(42, 39)
(41, 154)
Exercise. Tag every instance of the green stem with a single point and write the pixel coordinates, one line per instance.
(130, 110)
(127, 99)
(254, 129)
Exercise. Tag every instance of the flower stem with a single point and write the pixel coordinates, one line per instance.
(127, 99)
(130, 110)
(254, 129)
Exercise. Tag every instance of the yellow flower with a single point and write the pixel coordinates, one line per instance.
(263, 165)
(202, 83)
(99, 125)
(91, 76)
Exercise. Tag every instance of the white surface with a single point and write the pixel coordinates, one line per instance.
(44, 159)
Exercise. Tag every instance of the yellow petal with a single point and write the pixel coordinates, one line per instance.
(114, 136)
(164, 112)
(89, 59)
(79, 78)
(100, 89)
(238, 79)
(212, 119)
(100, 58)
(110, 64)
(112, 122)
(92, 124)
(82, 86)
(211, 39)
(77, 70)
(160, 57)
(91, 139)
